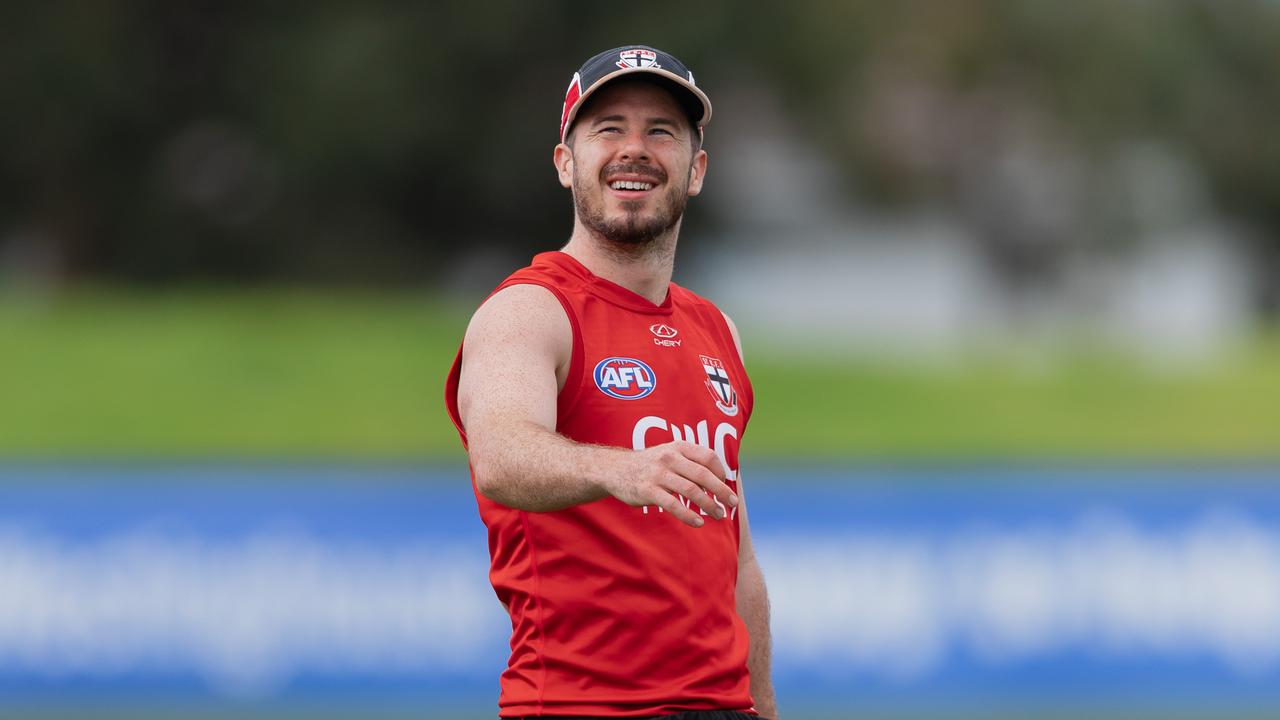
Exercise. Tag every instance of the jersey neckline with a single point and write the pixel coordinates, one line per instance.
(607, 289)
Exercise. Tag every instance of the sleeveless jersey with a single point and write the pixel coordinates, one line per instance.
(619, 610)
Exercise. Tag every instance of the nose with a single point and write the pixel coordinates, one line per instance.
(633, 148)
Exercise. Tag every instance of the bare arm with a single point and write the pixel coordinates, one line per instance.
(752, 600)
(514, 361)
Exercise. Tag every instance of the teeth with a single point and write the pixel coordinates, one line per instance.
(630, 185)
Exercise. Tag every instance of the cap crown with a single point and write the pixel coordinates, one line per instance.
(628, 59)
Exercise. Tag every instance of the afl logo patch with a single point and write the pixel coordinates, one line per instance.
(624, 378)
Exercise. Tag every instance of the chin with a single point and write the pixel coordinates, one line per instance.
(632, 207)
(637, 218)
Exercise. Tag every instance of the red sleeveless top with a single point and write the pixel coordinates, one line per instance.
(619, 610)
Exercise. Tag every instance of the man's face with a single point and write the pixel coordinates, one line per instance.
(631, 166)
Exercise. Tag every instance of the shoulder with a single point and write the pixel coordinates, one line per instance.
(733, 330)
(521, 334)
(553, 269)
(689, 297)
(519, 312)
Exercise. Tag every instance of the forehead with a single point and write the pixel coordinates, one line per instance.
(632, 96)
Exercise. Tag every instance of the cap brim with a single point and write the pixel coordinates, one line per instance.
(667, 75)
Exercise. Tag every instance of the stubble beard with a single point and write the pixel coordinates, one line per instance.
(634, 231)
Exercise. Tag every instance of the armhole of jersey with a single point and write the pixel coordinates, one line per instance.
(738, 366)
(568, 396)
(451, 395)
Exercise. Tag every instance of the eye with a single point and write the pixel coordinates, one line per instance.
(610, 129)
(661, 131)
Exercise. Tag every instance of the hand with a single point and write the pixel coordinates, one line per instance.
(650, 476)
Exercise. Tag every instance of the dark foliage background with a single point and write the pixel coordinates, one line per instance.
(379, 142)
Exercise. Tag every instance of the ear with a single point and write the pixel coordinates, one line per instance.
(697, 171)
(562, 156)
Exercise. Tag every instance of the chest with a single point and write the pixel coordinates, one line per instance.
(649, 379)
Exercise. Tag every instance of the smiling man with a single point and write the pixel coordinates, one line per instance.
(602, 407)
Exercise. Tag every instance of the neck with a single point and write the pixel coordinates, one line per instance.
(644, 269)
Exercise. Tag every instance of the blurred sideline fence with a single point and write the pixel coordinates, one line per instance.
(1141, 587)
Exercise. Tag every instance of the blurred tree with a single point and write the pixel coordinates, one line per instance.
(380, 141)
(1012, 111)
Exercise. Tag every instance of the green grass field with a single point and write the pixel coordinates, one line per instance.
(358, 375)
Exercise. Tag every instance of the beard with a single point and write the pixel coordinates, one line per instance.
(634, 227)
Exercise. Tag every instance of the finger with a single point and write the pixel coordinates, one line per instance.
(703, 475)
(697, 495)
(672, 504)
(704, 457)
(704, 486)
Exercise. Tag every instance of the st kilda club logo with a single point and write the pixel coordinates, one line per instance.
(718, 385)
(638, 58)
(624, 378)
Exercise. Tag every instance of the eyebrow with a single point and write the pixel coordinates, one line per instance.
(658, 120)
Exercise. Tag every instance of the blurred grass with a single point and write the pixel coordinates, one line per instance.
(359, 375)
(1093, 406)
(213, 373)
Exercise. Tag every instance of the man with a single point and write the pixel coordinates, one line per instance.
(602, 406)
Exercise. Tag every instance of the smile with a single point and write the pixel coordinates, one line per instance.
(631, 185)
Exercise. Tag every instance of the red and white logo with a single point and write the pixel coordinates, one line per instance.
(664, 335)
(638, 58)
(717, 383)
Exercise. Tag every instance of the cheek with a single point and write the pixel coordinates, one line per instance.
(587, 170)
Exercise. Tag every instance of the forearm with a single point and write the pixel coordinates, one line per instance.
(529, 467)
(753, 606)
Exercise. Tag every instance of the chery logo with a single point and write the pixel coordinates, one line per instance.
(663, 335)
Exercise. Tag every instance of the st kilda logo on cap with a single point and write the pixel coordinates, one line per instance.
(638, 58)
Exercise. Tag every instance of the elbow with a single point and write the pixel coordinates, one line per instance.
(485, 477)
(488, 478)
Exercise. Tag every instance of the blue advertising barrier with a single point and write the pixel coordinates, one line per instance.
(928, 588)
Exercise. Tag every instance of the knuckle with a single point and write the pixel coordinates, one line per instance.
(672, 506)
(709, 459)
